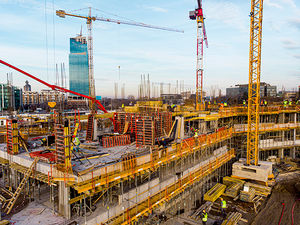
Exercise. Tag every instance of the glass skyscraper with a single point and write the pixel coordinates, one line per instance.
(79, 65)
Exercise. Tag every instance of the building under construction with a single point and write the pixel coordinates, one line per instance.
(141, 164)
(156, 163)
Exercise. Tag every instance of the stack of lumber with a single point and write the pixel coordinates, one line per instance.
(234, 186)
(260, 190)
(206, 206)
(247, 196)
(232, 219)
(233, 190)
(215, 192)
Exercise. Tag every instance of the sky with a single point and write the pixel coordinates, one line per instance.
(34, 39)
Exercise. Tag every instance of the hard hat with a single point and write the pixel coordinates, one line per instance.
(203, 210)
(221, 199)
(163, 139)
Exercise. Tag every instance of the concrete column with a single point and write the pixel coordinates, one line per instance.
(293, 153)
(13, 178)
(95, 130)
(63, 200)
(281, 153)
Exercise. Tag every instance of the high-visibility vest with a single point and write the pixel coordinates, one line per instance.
(196, 134)
(225, 103)
(290, 103)
(244, 102)
(223, 204)
(204, 218)
(76, 141)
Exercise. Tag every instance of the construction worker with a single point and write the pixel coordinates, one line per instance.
(290, 103)
(225, 104)
(298, 102)
(44, 141)
(244, 103)
(265, 103)
(285, 102)
(204, 217)
(196, 137)
(164, 142)
(223, 207)
(76, 143)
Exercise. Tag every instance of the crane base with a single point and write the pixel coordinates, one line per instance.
(258, 173)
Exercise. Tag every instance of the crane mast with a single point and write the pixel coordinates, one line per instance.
(256, 16)
(197, 15)
(92, 91)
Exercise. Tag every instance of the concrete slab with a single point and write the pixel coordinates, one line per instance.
(258, 173)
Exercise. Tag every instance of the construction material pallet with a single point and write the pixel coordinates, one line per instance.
(259, 189)
(215, 192)
(247, 196)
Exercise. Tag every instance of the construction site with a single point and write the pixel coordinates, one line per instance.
(199, 162)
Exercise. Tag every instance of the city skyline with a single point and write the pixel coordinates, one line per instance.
(164, 55)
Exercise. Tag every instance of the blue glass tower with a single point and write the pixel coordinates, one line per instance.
(79, 65)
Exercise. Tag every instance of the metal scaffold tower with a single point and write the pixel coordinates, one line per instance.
(256, 15)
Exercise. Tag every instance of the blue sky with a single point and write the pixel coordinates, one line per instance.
(166, 56)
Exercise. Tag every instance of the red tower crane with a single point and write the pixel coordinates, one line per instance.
(197, 15)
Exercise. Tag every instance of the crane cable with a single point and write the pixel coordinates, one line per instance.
(281, 213)
(293, 210)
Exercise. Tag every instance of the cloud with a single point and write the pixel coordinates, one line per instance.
(295, 22)
(157, 9)
(272, 4)
(289, 2)
(226, 12)
(297, 56)
(279, 3)
(290, 44)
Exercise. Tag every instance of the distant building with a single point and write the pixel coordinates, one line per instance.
(27, 86)
(171, 99)
(10, 97)
(79, 65)
(241, 91)
(30, 98)
(50, 96)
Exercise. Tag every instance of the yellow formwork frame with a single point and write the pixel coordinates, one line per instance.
(254, 81)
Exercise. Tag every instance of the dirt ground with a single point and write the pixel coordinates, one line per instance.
(285, 192)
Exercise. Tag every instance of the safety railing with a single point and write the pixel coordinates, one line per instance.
(188, 146)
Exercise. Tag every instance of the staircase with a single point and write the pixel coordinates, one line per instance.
(90, 127)
(17, 193)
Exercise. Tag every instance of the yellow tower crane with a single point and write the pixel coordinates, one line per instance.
(89, 20)
(256, 16)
